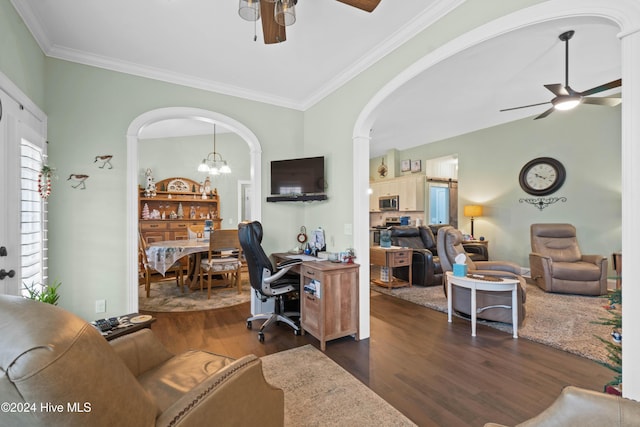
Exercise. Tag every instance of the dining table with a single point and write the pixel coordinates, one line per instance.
(163, 254)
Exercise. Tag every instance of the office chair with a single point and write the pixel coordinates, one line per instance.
(266, 281)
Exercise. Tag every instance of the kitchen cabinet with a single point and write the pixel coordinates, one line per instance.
(409, 188)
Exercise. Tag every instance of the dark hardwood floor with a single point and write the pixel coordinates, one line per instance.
(432, 371)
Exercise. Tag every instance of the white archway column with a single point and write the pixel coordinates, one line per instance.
(255, 155)
(630, 208)
(361, 228)
(626, 14)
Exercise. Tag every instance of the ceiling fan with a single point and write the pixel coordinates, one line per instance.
(565, 97)
(277, 14)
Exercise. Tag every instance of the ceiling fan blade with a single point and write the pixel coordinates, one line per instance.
(601, 88)
(545, 114)
(525, 106)
(366, 5)
(557, 89)
(271, 30)
(609, 102)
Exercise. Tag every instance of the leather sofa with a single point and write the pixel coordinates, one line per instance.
(577, 407)
(495, 306)
(49, 356)
(425, 263)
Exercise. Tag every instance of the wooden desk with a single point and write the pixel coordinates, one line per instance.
(329, 295)
(390, 258)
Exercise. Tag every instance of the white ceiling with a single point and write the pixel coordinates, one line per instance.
(205, 44)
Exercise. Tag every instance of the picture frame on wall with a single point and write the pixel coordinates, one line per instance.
(405, 165)
(416, 165)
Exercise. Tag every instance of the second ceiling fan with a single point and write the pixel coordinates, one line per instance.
(565, 97)
(277, 14)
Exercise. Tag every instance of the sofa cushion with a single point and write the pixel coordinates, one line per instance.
(428, 239)
(170, 381)
(578, 271)
(406, 237)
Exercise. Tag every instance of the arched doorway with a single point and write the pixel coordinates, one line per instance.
(626, 15)
(154, 116)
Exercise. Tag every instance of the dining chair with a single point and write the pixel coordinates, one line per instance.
(146, 269)
(224, 258)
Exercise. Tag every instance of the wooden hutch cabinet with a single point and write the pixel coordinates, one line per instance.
(170, 194)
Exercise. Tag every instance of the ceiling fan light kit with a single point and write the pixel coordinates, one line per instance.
(285, 12)
(567, 103)
(249, 10)
(565, 97)
(278, 14)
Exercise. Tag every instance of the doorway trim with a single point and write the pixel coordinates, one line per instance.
(158, 115)
(624, 13)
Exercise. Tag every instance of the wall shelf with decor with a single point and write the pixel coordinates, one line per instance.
(177, 205)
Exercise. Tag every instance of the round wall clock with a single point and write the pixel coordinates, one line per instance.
(542, 176)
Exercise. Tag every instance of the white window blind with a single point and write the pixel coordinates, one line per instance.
(33, 222)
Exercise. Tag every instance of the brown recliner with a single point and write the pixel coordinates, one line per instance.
(494, 306)
(557, 265)
(577, 407)
(65, 373)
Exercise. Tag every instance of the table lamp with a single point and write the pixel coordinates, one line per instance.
(472, 211)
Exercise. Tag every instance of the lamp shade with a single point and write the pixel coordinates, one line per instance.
(285, 13)
(249, 10)
(473, 210)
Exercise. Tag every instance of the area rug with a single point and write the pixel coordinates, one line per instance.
(166, 296)
(566, 322)
(318, 392)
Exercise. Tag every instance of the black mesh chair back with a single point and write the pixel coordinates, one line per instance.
(267, 281)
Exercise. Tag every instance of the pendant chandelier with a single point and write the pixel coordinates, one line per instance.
(213, 163)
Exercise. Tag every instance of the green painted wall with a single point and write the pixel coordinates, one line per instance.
(89, 112)
(489, 163)
(21, 60)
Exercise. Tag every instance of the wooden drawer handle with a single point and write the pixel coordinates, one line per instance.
(310, 298)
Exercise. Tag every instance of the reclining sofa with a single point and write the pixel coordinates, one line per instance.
(425, 264)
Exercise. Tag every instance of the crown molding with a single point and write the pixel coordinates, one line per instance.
(419, 23)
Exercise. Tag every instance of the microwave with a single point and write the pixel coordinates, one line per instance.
(389, 203)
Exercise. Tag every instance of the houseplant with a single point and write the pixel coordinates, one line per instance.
(614, 346)
(44, 293)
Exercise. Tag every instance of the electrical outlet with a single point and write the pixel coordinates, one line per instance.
(348, 229)
(101, 306)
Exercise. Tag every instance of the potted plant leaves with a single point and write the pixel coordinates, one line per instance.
(614, 345)
(44, 293)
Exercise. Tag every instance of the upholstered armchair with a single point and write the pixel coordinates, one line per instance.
(557, 265)
(49, 356)
(577, 407)
(475, 250)
(494, 306)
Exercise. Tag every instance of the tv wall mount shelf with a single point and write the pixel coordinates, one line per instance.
(297, 198)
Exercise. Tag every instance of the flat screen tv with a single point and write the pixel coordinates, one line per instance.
(297, 176)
